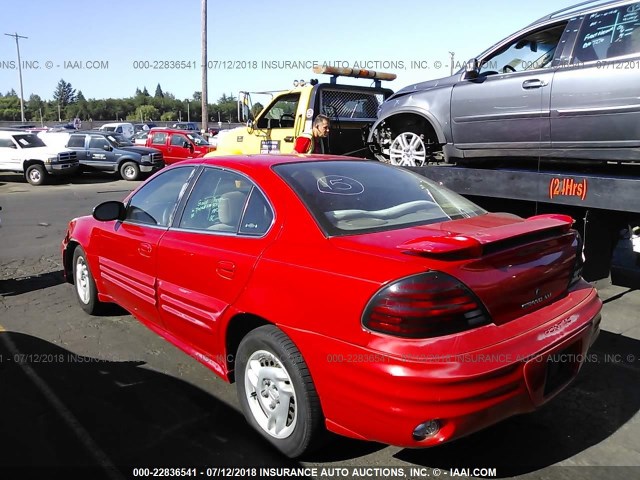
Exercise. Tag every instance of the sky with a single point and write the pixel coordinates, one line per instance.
(108, 49)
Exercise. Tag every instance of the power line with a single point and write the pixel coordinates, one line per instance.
(16, 36)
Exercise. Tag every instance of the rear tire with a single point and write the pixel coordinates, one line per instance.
(277, 395)
(35, 174)
(130, 171)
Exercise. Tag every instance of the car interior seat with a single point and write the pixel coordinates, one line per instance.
(230, 207)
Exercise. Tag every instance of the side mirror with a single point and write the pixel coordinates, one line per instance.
(472, 68)
(108, 148)
(110, 210)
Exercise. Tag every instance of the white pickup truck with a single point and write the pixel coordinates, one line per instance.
(26, 153)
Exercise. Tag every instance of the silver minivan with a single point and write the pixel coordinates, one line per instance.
(565, 87)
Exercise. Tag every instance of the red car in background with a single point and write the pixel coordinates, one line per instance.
(177, 144)
(344, 294)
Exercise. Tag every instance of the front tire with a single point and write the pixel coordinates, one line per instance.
(408, 149)
(35, 174)
(84, 284)
(130, 171)
(276, 392)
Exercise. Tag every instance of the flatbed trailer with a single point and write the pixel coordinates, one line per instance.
(604, 200)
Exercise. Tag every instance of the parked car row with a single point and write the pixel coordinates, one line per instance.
(107, 152)
(60, 152)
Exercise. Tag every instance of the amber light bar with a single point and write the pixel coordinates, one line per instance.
(353, 72)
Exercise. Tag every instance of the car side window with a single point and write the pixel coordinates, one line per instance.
(258, 215)
(609, 33)
(98, 142)
(530, 52)
(155, 202)
(178, 140)
(76, 141)
(218, 201)
(159, 138)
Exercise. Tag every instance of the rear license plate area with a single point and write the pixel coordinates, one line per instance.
(561, 367)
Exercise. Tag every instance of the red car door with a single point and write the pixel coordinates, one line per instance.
(127, 262)
(176, 147)
(205, 263)
(128, 250)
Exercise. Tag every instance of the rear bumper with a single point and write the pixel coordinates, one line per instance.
(370, 395)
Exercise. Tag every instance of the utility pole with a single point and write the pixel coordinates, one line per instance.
(452, 54)
(16, 36)
(205, 111)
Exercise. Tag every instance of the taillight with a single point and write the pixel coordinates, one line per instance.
(426, 305)
(576, 274)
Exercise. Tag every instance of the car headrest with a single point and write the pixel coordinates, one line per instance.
(230, 207)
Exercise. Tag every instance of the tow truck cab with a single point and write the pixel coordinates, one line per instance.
(351, 108)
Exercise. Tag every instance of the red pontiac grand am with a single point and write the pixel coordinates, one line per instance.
(344, 294)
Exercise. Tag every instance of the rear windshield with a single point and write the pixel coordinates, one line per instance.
(347, 197)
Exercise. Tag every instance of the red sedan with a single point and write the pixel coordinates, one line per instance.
(344, 294)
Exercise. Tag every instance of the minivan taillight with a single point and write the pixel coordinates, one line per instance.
(426, 305)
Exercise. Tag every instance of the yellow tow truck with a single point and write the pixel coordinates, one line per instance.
(351, 108)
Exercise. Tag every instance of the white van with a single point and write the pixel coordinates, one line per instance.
(126, 129)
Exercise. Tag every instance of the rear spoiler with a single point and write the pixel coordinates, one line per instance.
(473, 245)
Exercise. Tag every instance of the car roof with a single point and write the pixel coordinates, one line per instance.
(171, 130)
(581, 8)
(269, 160)
(14, 131)
(102, 133)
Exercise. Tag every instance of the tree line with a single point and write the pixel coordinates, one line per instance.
(68, 104)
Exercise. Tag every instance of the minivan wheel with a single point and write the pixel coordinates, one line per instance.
(129, 171)
(35, 174)
(276, 393)
(408, 150)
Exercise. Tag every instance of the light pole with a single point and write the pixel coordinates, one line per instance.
(452, 54)
(205, 112)
(16, 36)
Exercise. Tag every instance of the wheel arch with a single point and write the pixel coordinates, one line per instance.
(237, 328)
(124, 159)
(32, 161)
(67, 261)
(413, 116)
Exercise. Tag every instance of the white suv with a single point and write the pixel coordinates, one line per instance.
(26, 153)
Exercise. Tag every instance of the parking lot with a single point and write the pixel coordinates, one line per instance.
(104, 392)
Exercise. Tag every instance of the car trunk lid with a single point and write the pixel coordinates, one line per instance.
(513, 266)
